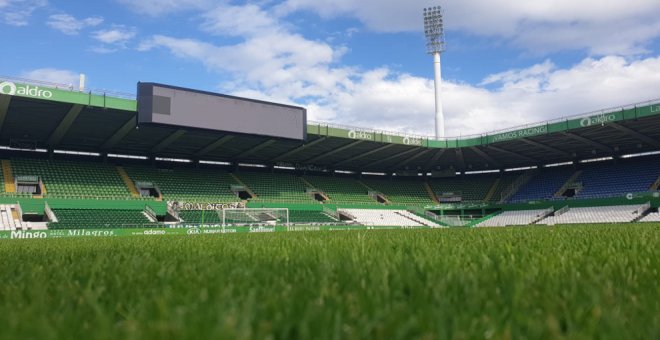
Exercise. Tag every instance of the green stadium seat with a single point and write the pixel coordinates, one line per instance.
(99, 219)
(474, 188)
(70, 179)
(341, 189)
(190, 185)
(276, 187)
(309, 216)
(401, 190)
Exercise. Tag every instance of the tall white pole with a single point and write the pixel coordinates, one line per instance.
(439, 116)
(435, 44)
(81, 85)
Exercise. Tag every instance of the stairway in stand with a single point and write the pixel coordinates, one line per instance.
(10, 186)
(127, 180)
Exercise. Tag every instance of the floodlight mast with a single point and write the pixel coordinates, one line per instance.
(435, 45)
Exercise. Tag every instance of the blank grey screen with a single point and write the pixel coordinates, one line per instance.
(189, 108)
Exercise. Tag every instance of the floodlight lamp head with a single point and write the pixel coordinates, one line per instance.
(434, 30)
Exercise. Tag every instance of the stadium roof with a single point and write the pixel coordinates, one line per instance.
(57, 118)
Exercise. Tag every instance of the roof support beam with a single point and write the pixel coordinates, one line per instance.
(589, 141)
(435, 158)
(168, 141)
(546, 148)
(298, 149)
(514, 154)
(461, 159)
(61, 130)
(214, 146)
(410, 159)
(485, 156)
(646, 139)
(120, 134)
(337, 150)
(354, 158)
(4, 108)
(256, 148)
(395, 156)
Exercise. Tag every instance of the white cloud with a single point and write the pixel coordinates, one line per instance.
(301, 71)
(600, 26)
(157, 8)
(240, 21)
(103, 49)
(386, 100)
(113, 39)
(527, 96)
(53, 75)
(18, 12)
(68, 24)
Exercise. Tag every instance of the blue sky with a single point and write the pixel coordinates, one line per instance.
(362, 63)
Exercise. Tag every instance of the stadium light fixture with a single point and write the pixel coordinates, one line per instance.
(435, 44)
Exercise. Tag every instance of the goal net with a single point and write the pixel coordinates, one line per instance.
(254, 216)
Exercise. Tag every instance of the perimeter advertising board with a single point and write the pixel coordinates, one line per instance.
(183, 230)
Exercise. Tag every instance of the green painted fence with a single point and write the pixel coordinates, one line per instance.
(601, 118)
(67, 96)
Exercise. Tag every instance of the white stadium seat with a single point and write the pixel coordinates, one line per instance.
(652, 217)
(609, 214)
(384, 217)
(518, 217)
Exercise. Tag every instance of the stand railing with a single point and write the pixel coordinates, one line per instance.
(515, 186)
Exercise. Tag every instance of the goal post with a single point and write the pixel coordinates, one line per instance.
(255, 216)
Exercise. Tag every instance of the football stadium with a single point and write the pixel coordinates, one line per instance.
(256, 199)
(174, 160)
(177, 213)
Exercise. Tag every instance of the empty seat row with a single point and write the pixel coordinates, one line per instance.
(514, 218)
(473, 188)
(186, 184)
(341, 189)
(9, 220)
(276, 187)
(98, 219)
(73, 179)
(401, 191)
(385, 217)
(608, 214)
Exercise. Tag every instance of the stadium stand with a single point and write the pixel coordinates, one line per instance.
(98, 219)
(401, 191)
(309, 216)
(505, 182)
(56, 166)
(607, 214)
(70, 179)
(9, 219)
(473, 188)
(544, 185)
(7, 184)
(341, 189)
(515, 218)
(387, 218)
(85, 180)
(276, 187)
(187, 184)
(651, 217)
(608, 179)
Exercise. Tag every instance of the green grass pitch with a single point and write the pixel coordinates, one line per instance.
(575, 282)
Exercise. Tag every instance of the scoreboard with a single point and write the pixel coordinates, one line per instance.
(181, 107)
